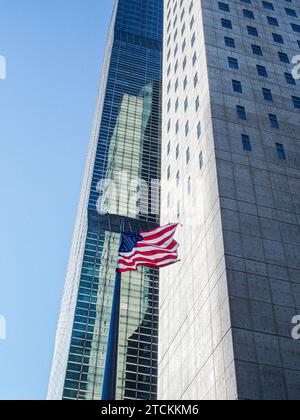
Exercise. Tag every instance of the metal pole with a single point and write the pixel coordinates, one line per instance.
(111, 364)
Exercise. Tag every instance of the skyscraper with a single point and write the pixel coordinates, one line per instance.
(231, 175)
(121, 181)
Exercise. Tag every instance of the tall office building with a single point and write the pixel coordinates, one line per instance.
(120, 181)
(231, 175)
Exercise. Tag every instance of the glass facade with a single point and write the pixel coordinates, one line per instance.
(121, 179)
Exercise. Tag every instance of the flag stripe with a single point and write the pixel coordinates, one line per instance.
(143, 261)
(148, 250)
(150, 258)
(157, 249)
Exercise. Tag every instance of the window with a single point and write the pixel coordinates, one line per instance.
(256, 49)
(169, 87)
(199, 130)
(246, 1)
(194, 59)
(176, 85)
(226, 23)
(185, 83)
(183, 29)
(169, 105)
(178, 210)
(237, 86)
(283, 57)
(169, 172)
(272, 21)
(267, 5)
(183, 45)
(193, 40)
(201, 161)
(192, 22)
(186, 104)
(188, 155)
(169, 148)
(229, 42)
(261, 71)
(196, 80)
(177, 151)
(248, 14)
(252, 31)
(169, 125)
(197, 103)
(267, 94)
(289, 79)
(187, 129)
(233, 63)
(296, 101)
(291, 12)
(278, 38)
(241, 113)
(176, 105)
(296, 28)
(176, 67)
(246, 143)
(177, 126)
(280, 151)
(224, 7)
(273, 121)
(177, 178)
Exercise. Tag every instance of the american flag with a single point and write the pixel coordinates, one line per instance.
(156, 248)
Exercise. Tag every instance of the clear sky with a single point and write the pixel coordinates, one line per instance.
(54, 51)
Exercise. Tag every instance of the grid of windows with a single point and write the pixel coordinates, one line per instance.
(250, 45)
(129, 142)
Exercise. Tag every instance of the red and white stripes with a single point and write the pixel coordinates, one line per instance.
(158, 249)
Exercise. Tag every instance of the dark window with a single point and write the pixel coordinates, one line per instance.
(273, 121)
(188, 155)
(272, 21)
(256, 49)
(289, 78)
(261, 71)
(267, 5)
(248, 14)
(291, 12)
(199, 130)
(296, 101)
(195, 79)
(186, 104)
(237, 86)
(296, 28)
(278, 38)
(201, 160)
(267, 94)
(283, 57)
(224, 7)
(280, 151)
(246, 143)
(226, 23)
(187, 128)
(233, 63)
(252, 31)
(241, 113)
(229, 42)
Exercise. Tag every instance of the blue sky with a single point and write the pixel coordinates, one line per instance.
(54, 51)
